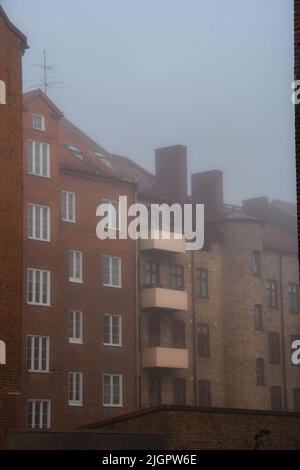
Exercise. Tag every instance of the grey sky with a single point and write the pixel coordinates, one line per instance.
(214, 75)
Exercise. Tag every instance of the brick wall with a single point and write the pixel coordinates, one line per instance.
(11, 51)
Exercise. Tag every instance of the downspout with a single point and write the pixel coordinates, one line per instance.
(194, 327)
(137, 323)
(282, 337)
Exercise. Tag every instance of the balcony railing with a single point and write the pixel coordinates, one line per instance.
(174, 358)
(158, 297)
(170, 244)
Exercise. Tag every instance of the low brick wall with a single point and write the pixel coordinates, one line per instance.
(196, 428)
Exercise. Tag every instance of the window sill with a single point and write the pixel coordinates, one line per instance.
(75, 341)
(109, 285)
(112, 406)
(114, 345)
(76, 281)
(75, 404)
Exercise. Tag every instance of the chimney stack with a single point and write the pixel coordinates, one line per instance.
(207, 189)
(171, 171)
(256, 207)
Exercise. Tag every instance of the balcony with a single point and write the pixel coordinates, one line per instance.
(173, 358)
(158, 297)
(170, 245)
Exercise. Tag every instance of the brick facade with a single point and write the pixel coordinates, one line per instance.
(12, 48)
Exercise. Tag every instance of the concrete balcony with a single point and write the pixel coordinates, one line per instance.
(157, 297)
(165, 357)
(170, 245)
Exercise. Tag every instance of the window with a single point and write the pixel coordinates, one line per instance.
(113, 214)
(276, 401)
(38, 353)
(260, 376)
(154, 391)
(178, 334)
(256, 263)
(153, 331)
(2, 92)
(75, 266)
(68, 206)
(38, 158)
(204, 393)
(202, 283)
(293, 293)
(203, 340)
(258, 319)
(274, 348)
(2, 352)
(152, 274)
(112, 390)
(38, 227)
(38, 287)
(38, 122)
(272, 294)
(177, 276)
(179, 392)
(112, 330)
(296, 397)
(111, 271)
(38, 414)
(75, 388)
(75, 326)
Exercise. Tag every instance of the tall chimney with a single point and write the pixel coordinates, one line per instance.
(207, 189)
(256, 207)
(171, 171)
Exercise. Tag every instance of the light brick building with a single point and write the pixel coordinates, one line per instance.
(13, 44)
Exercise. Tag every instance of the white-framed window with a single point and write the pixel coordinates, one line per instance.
(37, 353)
(113, 213)
(2, 352)
(75, 266)
(75, 326)
(38, 122)
(38, 158)
(38, 287)
(68, 206)
(112, 329)
(38, 414)
(75, 388)
(111, 271)
(112, 390)
(2, 92)
(38, 222)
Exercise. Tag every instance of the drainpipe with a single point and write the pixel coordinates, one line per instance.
(194, 327)
(282, 337)
(137, 323)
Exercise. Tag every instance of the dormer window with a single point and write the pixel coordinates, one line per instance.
(74, 150)
(38, 122)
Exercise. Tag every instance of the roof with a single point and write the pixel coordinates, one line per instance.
(30, 95)
(276, 239)
(13, 27)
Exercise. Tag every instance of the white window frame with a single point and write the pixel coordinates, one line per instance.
(74, 374)
(42, 117)
(73, 266)
(111, 225)
(40, 426)
(66, 217)
(111, 316)
(32, 159)
(34, 272)
(73, 318)
(111, 404)
(35, 208)
(110, 284)
(32, 353)
(2, 92)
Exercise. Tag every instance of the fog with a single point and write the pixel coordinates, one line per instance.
(214, 75)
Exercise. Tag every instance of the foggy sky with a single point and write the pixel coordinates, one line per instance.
(214, 75)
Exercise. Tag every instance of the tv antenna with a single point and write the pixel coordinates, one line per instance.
(46, 84)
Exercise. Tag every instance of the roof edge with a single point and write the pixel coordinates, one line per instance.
(13, 27)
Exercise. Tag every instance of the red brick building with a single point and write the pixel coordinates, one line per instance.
(79, 310)
(13, 44)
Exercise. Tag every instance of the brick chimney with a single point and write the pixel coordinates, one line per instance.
(207, 189)
(171, 171)
(256, 207)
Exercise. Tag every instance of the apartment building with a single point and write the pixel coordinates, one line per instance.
(13, 44)
(216, 325)
(79, 309)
